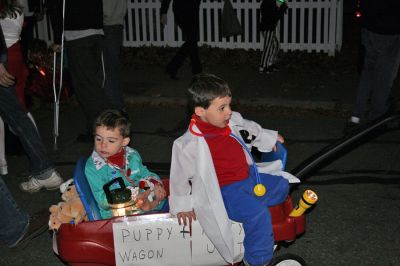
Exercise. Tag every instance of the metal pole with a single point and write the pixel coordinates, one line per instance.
(57, 92)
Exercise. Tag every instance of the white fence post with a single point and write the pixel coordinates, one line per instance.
(332, 27)
(339, 25)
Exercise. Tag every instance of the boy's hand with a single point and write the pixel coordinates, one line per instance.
(159, 195)
(280, 139)
(56, 48)
(159, 192)
(145, 205)
(184, 216)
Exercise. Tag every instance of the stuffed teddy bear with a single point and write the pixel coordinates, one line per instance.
(70, 210)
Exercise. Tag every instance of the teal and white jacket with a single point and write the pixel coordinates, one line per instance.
(98, 172)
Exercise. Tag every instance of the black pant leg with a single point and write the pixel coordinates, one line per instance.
(188, 22)
(87, 74)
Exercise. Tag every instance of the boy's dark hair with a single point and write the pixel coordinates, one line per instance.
(204, 88)
(112, 119)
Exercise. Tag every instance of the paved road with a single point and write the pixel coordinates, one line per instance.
(354, 223)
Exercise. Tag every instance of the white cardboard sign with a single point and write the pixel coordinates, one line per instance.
(205, 253)
(151, 242)
(159, 240)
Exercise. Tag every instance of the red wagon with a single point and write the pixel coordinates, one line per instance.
(92, 243)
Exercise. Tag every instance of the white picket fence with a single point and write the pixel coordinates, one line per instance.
(309, 25)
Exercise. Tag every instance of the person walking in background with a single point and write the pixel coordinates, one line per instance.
(186, 14)
(380, 36)
(43, 173)
(11, 20)
(271, 12)
(113, 19)
(83, 33)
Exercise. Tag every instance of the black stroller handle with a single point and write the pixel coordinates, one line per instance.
(346, 143)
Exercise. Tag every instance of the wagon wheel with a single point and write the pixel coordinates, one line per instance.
(288, 260)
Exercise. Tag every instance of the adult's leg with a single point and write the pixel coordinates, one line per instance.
(189, 48)
(16, 67)
(189, 24)
(87, 73)
(195, 58)
(3, 162)
(113, 37)
(13, 114)
(27, 35)
(178, 59)
(267, 51)
(13, 221)
(368, 75)
(274, 50)
(387, 67)
(192, 32)
(16, 226)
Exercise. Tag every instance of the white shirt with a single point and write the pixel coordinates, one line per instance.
(12, 28)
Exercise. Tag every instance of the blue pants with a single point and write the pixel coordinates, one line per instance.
(13, 114)
(13, 221)
(252, 211)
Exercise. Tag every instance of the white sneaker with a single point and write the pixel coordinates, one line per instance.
(3, 167)
(34, 184)
(354, 120)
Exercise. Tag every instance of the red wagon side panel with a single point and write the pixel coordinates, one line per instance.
(92, 243)
(286, 228)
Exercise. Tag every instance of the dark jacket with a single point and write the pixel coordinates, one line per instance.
(381, 16)
(271, 14)
(186, 13)
(79, 15)
(181, 6)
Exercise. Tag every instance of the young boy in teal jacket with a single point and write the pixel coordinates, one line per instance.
(112, 158)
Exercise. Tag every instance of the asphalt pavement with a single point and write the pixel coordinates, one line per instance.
(354, 223)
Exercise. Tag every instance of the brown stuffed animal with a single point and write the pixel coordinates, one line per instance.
(70, 210)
